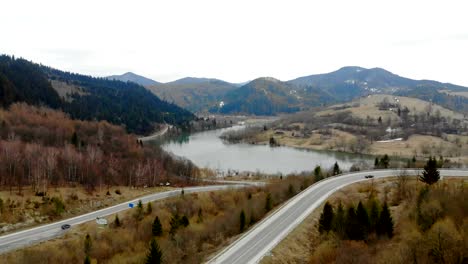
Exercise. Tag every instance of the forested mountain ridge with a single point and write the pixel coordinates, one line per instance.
(121, 103)
(194, 94)
(306, 92)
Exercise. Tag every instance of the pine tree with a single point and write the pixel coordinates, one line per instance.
(336, 169)
(184, 221)
(363, 219)
(374, 213)
(74, 140)
(175, 223)
(117, 221)
(242, 221)
(149, 208)
(339, 221)
(318, 173)
(326, 218)
(87, 244)
(385, 161)
(268, 202)
(139, 211)
(157, 227)
(376, 162)
(352, 224)
(385, 224)
(87, 260)
(431, 174)
(155, 254)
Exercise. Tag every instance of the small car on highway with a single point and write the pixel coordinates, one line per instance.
(369, 176)
(65, 226)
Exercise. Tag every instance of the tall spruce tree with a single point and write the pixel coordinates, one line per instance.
(336, 169)
(352, 224)
(374, 213)
(363, 219)
(242, 221)
(431, 174)
(339, 221)
(326, 218)
(156, 227)
(155, 254)
(318, 173)
(385, 224)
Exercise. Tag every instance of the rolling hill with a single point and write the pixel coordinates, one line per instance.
(194, 94)
(87, 98)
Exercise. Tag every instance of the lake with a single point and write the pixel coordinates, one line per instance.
(206, 149)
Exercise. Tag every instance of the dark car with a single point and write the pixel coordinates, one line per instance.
(65, 226)
(369, 176)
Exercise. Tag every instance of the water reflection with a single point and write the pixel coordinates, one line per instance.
(206, 149)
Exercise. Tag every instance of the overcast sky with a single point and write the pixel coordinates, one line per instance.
(240, 40)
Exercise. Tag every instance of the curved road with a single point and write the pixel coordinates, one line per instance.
(48, 231)
(264, 236)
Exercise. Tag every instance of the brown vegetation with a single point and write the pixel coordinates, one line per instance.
(212, 220)
(42, 148)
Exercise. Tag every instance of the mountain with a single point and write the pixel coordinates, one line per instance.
(194, 94)
(350, 82)
(132, 77)
(269, 96)
(87, 98)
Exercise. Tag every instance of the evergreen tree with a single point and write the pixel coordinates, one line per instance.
(157, 227)
(184, 221)
(87, 260)
(268, 202)
(175, 223)
(87, 244)
(376, 162)
(374, 213)
(336, 169)
(117, 221)
(431, 174)
(74, 140)
(339, 221)
(385, 224)
(318, 173)
(352, 225)
(149, 208)
(363, 219)
(242, 221)
(326, 218)
(385, 161)
(155, 254)
(139, 211)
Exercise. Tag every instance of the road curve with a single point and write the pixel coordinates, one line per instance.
(41, 233)
(264, 236)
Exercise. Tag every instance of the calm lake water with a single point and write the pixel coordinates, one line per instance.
(206, 149)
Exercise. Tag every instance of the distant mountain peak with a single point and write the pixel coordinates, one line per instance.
(132, 77)
(269, 79)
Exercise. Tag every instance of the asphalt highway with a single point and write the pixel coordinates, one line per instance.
(41, 233)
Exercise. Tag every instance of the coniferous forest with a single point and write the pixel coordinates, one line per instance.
(120, 103)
